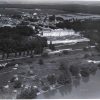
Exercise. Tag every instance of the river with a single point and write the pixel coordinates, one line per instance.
(84, 88)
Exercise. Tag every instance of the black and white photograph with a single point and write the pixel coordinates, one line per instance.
(49, 49)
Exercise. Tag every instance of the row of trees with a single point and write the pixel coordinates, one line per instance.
(20, 39)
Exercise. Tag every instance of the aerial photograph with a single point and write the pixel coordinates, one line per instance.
(49, 49)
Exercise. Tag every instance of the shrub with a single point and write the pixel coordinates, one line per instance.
(65, 52)
(45, 54)
(86, 55)
(29, 93)
(51, 46)
(98, 48)
(38, 50)
(36, 90)
(17, 84)
(13, 79)
(51, 79)
(63, 79)
(45, 88)
(41, 62)
(85, 49)
(85, 72)
(52, 61)
(74, 70)
(98, 65)
(32, 56)
(30, 72)
(92, 69)
(10, 64)
(62, 66)
(1, 67)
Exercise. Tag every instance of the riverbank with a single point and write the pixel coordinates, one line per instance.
(46, 72)
(86, 88)
(30, 71)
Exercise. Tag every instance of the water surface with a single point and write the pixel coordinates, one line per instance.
(85, 88)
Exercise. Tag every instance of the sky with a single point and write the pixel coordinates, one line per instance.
(49, 1)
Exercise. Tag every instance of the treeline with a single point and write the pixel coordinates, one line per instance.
(78, 25)
(68, 8)
(88, 28)
(20, 39)
(18, 30)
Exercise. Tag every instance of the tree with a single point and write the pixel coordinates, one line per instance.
(63, 79)
(74, 70)
(51, 79)
(65, 76)
(17, 40)
(52, 18)
(41, 61)
(29, 93)
(17, 84)
(51, 46)
(85, 72)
